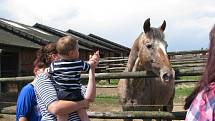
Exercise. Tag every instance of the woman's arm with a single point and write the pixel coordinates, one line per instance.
(48, 95)
(91, 86)
(65, 107)
(23, 119)
(62, 107)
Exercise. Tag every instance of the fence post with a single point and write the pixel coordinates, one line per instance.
(0, 70)
(0, 88)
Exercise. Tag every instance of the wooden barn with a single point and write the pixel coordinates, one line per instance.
(19, 43)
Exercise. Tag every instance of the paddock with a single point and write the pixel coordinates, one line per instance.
(176, 115)
(182, 65)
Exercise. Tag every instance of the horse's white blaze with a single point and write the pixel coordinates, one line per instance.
(162, 46)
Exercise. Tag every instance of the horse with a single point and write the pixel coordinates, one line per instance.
(148, 53)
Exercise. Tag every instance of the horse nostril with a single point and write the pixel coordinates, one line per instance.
(167, 77)
(153, 60)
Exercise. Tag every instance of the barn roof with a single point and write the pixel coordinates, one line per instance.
(95, 40)
(10, 36)
(82, 41)
(25, 36)
(18, 34)
(110, 42)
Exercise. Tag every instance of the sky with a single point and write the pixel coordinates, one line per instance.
(188, 21)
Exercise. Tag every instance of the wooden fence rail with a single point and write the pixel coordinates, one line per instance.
(119, 75)
(115, 115)
(139, 115)
(180, 115)
(118, 64)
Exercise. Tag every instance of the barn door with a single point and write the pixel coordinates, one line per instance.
(9, 68)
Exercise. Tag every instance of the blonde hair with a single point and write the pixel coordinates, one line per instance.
(66, 44)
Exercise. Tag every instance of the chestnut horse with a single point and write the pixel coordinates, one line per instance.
(148, 53)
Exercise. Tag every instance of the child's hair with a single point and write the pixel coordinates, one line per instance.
(66, 44)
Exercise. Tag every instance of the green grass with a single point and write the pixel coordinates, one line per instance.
(114, 81)
(107, 96)
(105, 82)
(181, 93)
(189, 77)
(106, 99)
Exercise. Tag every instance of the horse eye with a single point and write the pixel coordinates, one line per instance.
(149, 46)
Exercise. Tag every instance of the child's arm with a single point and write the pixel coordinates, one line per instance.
(94, 59)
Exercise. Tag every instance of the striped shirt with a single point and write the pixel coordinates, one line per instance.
(203, 106)
(66, 73)
(46, 94)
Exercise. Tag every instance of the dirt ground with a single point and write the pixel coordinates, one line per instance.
(94, 106)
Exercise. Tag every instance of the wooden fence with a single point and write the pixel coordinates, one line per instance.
(179, 60)
(115, 115)
(118, 75)
(191, 65)
(179, 115)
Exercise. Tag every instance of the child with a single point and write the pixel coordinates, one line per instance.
(66, 73)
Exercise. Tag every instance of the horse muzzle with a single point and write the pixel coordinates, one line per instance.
(167, 76)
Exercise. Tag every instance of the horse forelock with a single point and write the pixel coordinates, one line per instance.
(155, 34)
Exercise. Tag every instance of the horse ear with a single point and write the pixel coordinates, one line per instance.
(146, 26)
(163, 26)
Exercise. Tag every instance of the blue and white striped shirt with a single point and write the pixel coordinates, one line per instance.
(46, 94)
(66, 73)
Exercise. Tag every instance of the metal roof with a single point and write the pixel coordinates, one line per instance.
(36, 35)
(110, 42)
(8, 38)
(14, 33)
(20, 31)
(82, 41)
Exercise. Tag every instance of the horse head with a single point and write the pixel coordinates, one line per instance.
(151, 52)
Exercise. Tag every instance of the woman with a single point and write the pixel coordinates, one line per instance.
(201, 102)
(44, 57)
(46, 94)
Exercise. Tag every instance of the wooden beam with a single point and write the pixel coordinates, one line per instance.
(119, 75)
(187, 52)
(138, 115)
(125, 115)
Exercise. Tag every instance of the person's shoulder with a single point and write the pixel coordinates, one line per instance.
(42, 75)
(27, 90)
(28, 87)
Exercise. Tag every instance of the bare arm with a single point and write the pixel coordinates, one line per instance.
(23, 119)
(65, 107)
(62, 107)
(50, 100)
(91, 86)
